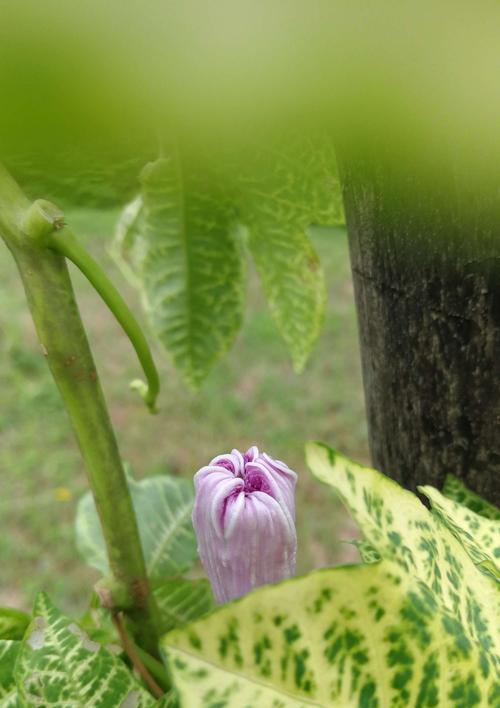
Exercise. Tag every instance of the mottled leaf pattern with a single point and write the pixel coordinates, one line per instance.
(457, 491)
(417, 628)
(13, 623)
(355, 636)
(396, 523)
(180, 601)
(193, 270)
(368, 553)
(58, 665)
(8, 655)
(295, 187)
(163, 507)
(480, 536)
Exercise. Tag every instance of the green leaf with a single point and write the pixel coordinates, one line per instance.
(9, 650)
(169, 700)
(295, 187)
(479, 536)
(180, 601)
(193, 271)
(13, 623)
(400, 528)
(457, 491)
(179, 242)
(353, 636)
(368, 553)
(163, 507)
(58, 665)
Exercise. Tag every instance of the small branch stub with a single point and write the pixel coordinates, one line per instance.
(41, 220)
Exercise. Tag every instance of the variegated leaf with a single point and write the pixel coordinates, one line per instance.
(454, 489)
(193, 270)
(296, 186)
(9, 650)
(13, 623)
(399, 526)
(58, 665)
(163, 506)
(180, 601)
(367, 635)
(480, 536)
(368, 553)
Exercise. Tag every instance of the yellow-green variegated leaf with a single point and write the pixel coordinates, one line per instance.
(9, 650)
(368, 553)
(366, 635)
(180, 601)
(400, 528)
(295, 186)
(163, 505)
(480, 536)
(58, 665)
(454, 489)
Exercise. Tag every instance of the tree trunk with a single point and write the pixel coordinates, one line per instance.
(425, 257)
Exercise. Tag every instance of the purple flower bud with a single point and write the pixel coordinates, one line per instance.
(244, 518)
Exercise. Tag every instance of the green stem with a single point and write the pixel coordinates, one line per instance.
(65, 242)
(155, 668)
(64, 342)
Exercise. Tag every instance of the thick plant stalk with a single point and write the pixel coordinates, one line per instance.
(59, 327)
(425, 256)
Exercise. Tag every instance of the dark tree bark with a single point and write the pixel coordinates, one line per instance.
(425, 257)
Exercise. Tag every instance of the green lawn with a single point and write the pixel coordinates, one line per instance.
(252, 396)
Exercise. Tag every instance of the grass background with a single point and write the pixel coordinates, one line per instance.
(252, 397)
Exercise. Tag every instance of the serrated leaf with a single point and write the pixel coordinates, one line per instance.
(399, 526)
(295, 187)
(479, 536)
(457, 491)
(13, 623)
(9, 650)
(163, 508)
(293, 283)
(193, 272)
(180, 601)
(58, 665)
(354, 636)
(179, 242)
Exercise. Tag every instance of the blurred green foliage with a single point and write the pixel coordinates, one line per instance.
(94, 82)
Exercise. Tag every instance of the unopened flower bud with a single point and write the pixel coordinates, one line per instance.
(244, 518)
